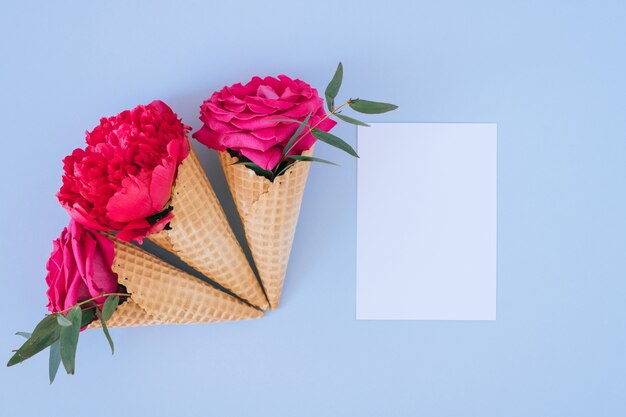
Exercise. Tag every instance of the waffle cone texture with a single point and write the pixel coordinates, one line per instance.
(163, 294)
(201, 236)
(269, 212)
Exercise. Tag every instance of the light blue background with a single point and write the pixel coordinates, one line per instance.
(551, 74)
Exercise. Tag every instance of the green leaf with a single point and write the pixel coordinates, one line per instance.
(371, 107)
(310, 159)
(157, 217)
(62, 320)
(295, 135)
(55, 360)
(105, 329)
(88, 317)
(257, 169)
(334, 141)
(333, 87)
(24, 334)
(110, 304)
(45, 334)
(350, 120)
(69, 339)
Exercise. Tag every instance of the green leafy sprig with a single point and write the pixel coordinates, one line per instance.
(356, 104)
(60, 332)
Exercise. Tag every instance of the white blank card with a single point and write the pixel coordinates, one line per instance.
(426, 222)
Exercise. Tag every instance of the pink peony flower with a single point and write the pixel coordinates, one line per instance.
(79, 267)
(243, 118)
(124, 177)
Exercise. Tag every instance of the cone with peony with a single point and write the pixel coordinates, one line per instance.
(139, 177)
(163, 294)
(200, 235)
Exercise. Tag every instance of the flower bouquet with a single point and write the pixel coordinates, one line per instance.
(265, 132)
(138, 177)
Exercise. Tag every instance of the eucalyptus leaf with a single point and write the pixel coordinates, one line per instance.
(45, 334)
(24, 334)
(310, 159)
(350, 120)
(295, 135)
(88, 317)
(69, 339)
(157, 217)
(333, 87)
(105, 329)
(283, 170)
(334, 141)
(62, 320)
(371, 107)
(110, 304)
(55, 360)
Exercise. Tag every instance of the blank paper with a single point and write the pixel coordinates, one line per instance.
(426, 222)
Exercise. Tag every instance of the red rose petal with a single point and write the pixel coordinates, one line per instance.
(265, 159)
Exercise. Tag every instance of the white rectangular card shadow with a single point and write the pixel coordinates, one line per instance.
(426, 222)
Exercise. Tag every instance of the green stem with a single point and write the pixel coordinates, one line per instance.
(308, 132)
(93, 299)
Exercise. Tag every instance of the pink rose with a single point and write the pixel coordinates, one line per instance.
(242, 118)
(123, 179)
(79, 267)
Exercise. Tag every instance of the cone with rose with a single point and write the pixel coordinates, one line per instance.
(96, 280)
(139, 177)
(269, 211)
(264, 132)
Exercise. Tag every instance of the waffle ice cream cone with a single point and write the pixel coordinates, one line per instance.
(163, 294)
(201, 236)
(269, 212)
